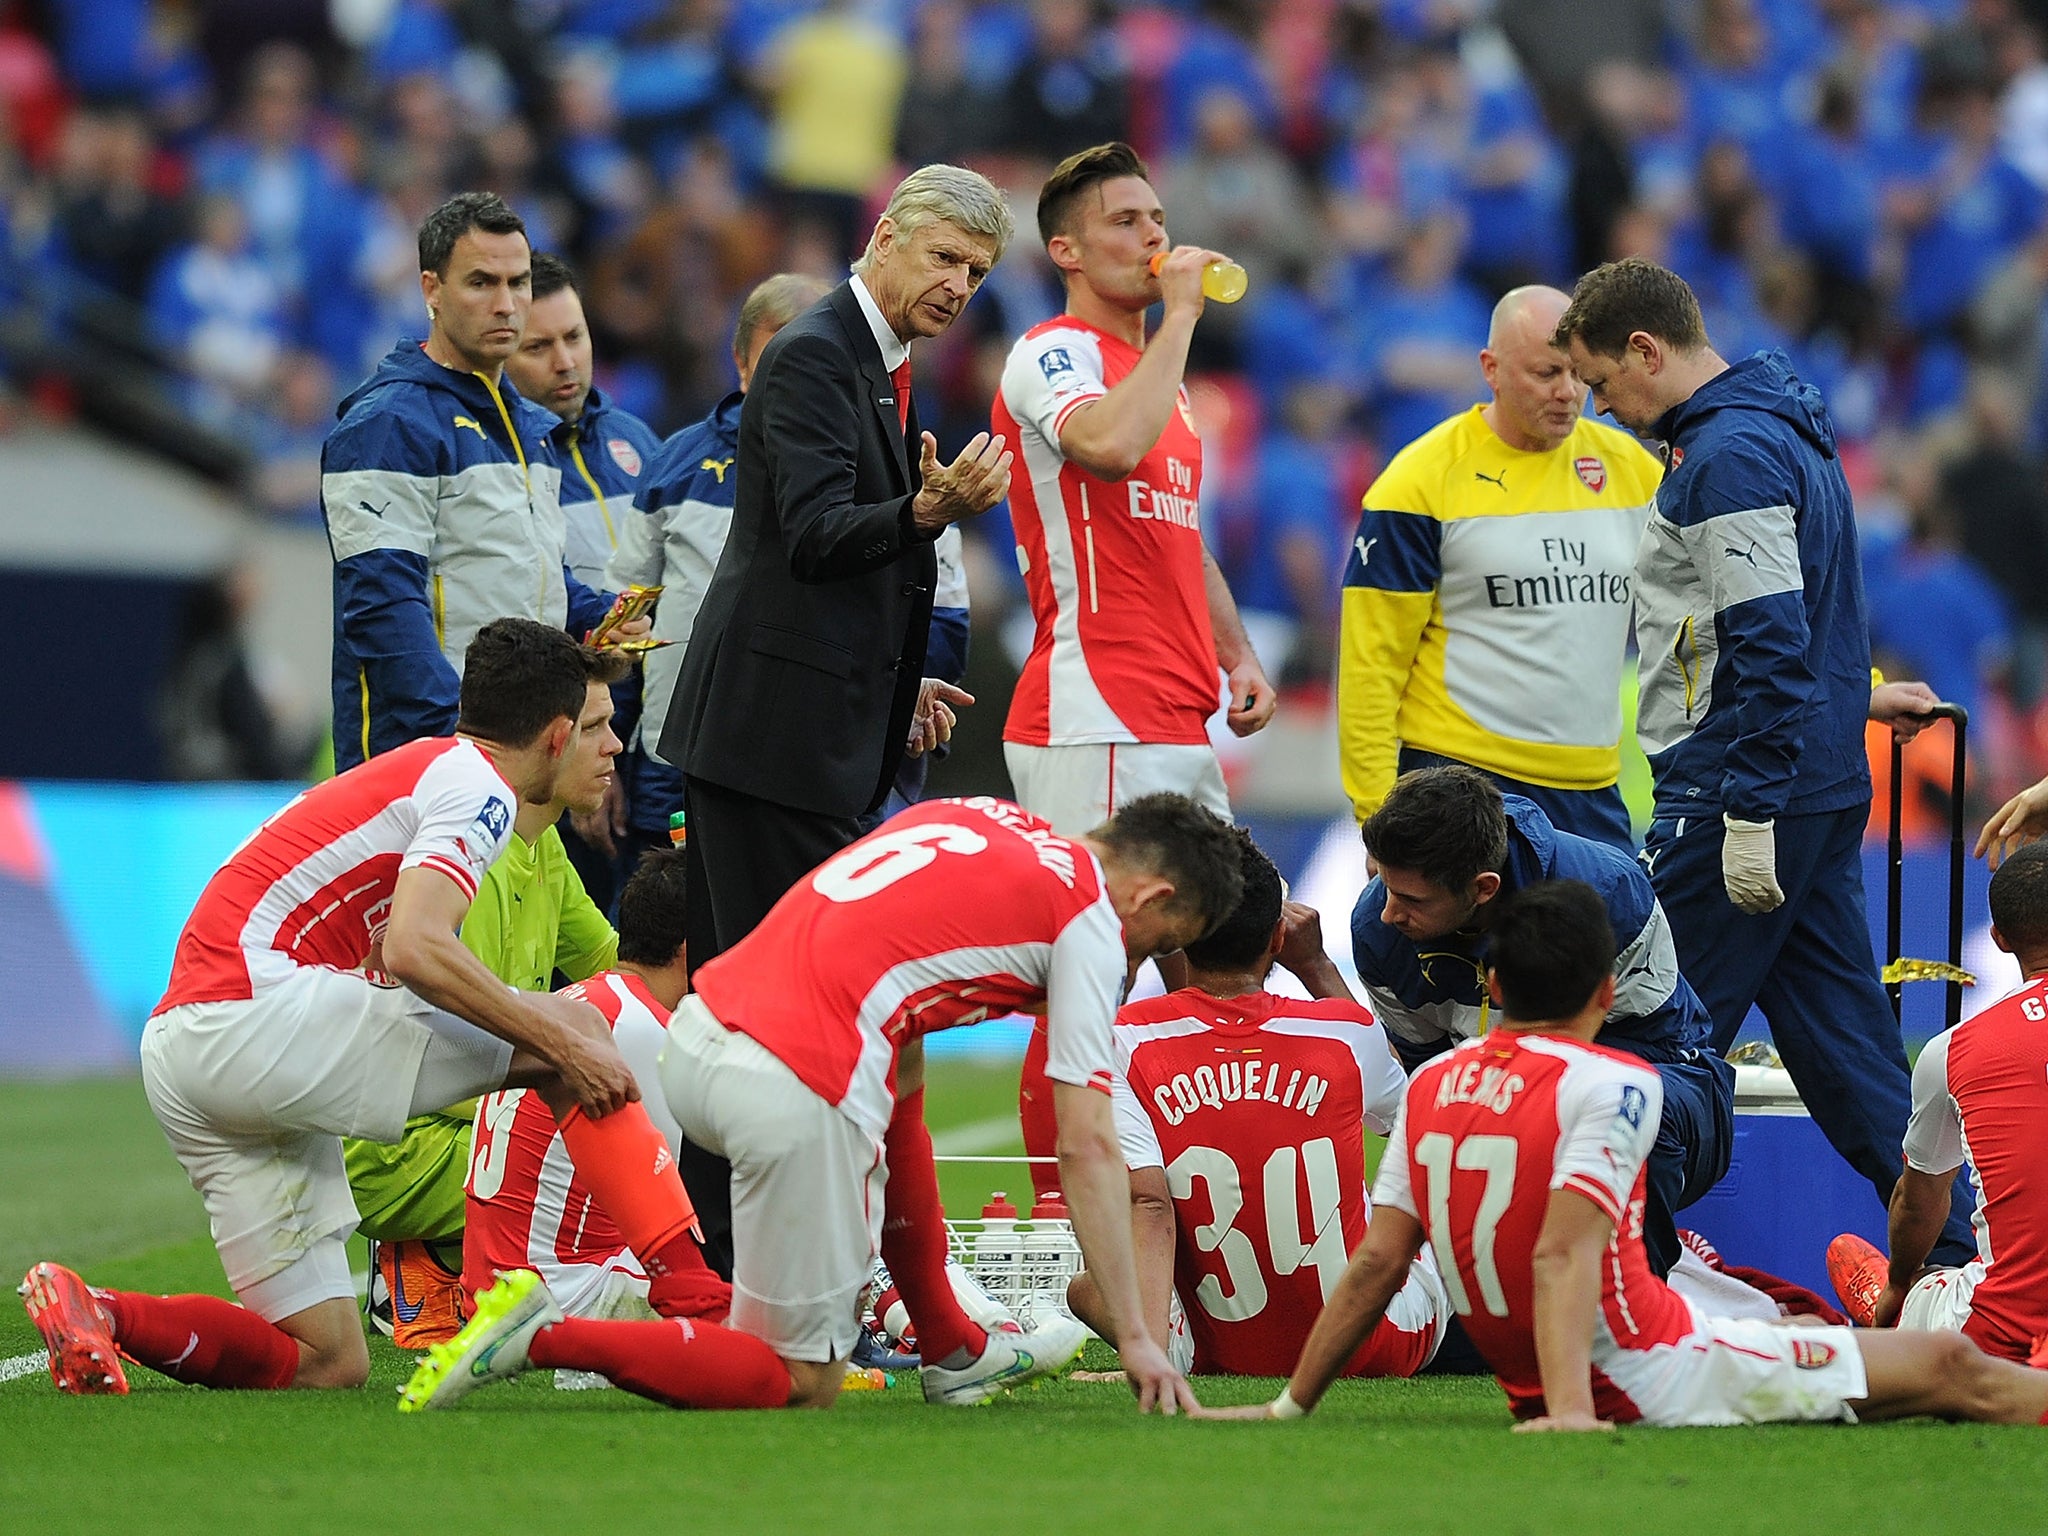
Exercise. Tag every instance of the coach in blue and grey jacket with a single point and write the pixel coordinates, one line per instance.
(1755, 686)
(441, 494)
(1449, 846)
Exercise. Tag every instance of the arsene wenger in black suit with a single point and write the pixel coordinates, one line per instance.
(802, 689)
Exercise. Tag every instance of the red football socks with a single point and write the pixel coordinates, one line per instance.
(202, 1340)
(681, 1284)
(680, 1363)
(626, 1164)
(1035, 1110)
(914, 1239)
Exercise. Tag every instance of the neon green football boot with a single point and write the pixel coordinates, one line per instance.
(491, 1346)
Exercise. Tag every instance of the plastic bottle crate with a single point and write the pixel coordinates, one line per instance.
(1024, 1264)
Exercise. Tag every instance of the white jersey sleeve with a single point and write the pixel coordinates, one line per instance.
(1934, 1134)
(950, 590)
(1081, 995)
(1381, 1077)
(1392, 1189)
(1607, 1113)
(1050, 374)
(640, 1035)
(465, 818)
(1135, 1132)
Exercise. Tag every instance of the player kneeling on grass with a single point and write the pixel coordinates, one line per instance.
(1980, 1094)
(1519, 1158)
(527, 1206)
(788, 1060)
(319, 991)
(1243, 1116)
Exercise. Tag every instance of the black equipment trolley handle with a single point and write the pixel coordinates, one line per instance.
(1959, 720)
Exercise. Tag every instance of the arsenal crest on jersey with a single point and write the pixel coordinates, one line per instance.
(1592, 470)
(627, 457)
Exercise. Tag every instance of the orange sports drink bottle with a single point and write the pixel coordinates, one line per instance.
(1223, 281)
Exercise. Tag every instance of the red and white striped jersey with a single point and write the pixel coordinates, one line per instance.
(1980, 1095)
(527, 1209)
(1486, 1133)
(1123, 648)
(313, 884)
(953, 912)
(1256, 1107)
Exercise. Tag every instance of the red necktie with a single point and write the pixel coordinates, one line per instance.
(901, 379)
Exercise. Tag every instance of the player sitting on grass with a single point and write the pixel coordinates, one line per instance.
(319, 991)
(1980, 1095)
(527, 1206)
(1519, 1158)
(1243, 1115)
(789, 1058)
(531, 918)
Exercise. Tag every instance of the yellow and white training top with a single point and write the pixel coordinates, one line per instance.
(1486, 607)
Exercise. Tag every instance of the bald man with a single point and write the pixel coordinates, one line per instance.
(1487, 597)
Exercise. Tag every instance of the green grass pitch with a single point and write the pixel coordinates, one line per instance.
(85, 1177)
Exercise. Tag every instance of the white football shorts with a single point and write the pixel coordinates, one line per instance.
(255, 1094)
(1078, 788)
(1742, 1370)
(807, 1186)
(1940, 1299)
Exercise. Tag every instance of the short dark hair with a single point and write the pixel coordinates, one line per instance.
(1177, 839)
(653, 908)
(551, 275)
(1241, 939)
(1547, 947)
(457, 217)
(519, 677)
(1612, 302)
(2019, 897)
(1074, 175)
(1447, 824)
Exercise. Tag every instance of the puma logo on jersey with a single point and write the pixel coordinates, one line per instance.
(1364, 548)
(717, 467)
(473, 425)
(374, 511)
(1748, 554)
(1500, 479)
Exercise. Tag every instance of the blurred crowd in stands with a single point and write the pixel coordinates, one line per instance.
(1862, 184)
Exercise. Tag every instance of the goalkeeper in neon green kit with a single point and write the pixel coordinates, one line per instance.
(530, 919)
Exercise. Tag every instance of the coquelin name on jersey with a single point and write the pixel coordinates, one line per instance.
(1231, 1082)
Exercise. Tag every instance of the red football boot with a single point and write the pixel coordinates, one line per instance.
(83, 1356)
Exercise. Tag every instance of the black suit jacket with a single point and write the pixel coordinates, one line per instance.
(803, 669)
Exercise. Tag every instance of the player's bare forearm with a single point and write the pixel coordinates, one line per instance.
(1376, 1272)
(1098, 1191)
(909, 1068)
(1304, 956)
(1152, 1234)
(1919, 1209)
(1567, 1302)
(1233, 645)
(1108, 437)
(422, 949)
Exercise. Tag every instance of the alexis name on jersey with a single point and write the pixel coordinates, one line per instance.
(1230, 1082)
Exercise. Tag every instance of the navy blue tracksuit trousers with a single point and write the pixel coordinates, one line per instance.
(1808, 966)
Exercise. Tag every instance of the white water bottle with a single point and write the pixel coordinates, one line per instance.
(997, 1259)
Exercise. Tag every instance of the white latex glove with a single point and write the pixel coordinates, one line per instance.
(1749, 865)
